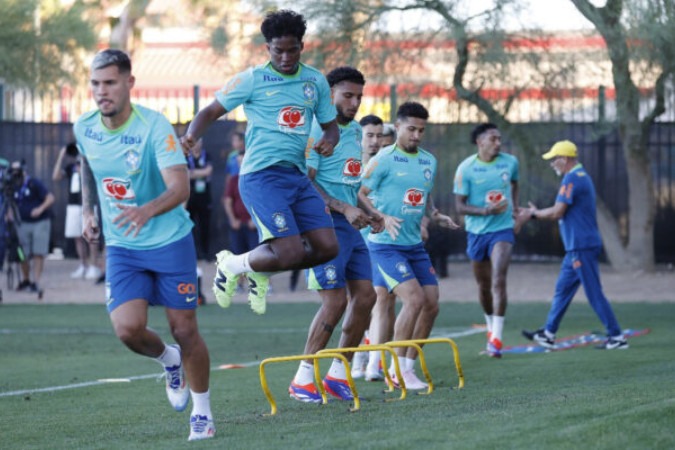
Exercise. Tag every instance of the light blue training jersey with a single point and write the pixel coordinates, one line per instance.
(127, 164)
(486, 183)
(280, 109)
(339, 175)
(401, 183)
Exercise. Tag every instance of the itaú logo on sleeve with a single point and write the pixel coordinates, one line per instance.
(291, 117)
(413, 197)
(118, 189)
(352, 168)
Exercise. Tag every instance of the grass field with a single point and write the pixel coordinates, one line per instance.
(580, 398)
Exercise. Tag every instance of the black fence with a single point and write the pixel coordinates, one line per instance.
(600, 152)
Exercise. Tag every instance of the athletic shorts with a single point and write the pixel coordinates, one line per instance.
(165, 276)
(283, 202)
(396, 264)
(351, 263)
(73, 228)
(34, 237)
(479, 246)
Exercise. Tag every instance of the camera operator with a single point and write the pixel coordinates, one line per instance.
(33, 201)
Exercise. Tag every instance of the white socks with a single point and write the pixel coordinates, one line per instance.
(201, 403)
(497, 327)
(337, 370)
(305, 374)
(488, 322)
(238, 264)
(170, 357)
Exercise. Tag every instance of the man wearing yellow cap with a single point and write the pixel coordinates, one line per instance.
(574, 209)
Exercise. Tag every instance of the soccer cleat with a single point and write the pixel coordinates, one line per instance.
(614, 343)
(337, 388)
(307, 393)
(176, 385)
(411, 381)
(258, 284)
(201, 427)
(225, 282)
(494, 348)
(539, 336)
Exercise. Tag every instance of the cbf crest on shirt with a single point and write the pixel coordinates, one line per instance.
(401, 183)
(279, 109)
(127, 164)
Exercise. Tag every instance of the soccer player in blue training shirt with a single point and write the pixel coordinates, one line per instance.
(486, 192)
(280, 98)
(400, 178)
(338, 179)
(574, 209)
(132, 161)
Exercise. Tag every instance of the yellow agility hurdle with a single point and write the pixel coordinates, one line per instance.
(423, 364)
(317, 377)
(383, 348)
(453, 346)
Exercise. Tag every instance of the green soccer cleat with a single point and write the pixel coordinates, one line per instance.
(225, 282)
(258, 285)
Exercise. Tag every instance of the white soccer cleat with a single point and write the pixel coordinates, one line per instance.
(176, 385)
(201, 427)
(412, 382)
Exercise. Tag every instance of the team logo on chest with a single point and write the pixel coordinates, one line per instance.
(352, 169)
(309, 92)
(132, 161)
(413, 197)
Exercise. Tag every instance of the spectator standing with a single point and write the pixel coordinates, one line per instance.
(86, 252)
(199, 204)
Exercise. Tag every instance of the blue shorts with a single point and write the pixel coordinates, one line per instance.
(396, 264)
(164, 276)
(283, 202)
(479, 246)
(351, 263)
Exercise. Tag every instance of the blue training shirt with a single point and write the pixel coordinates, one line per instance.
(127, 164)
(485, 183)
(280, 109)
(339, 175)
(401, 183)
(579, 226)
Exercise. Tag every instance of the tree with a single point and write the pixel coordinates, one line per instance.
(650, 32)
(42, 42)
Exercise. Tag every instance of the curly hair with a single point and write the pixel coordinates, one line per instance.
(345, 73)
(480, 129)
(282, 23)
(412, 109)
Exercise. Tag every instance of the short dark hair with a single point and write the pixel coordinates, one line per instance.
(480, 129)
(282, 23)
(412, 109)
(370, 119)
(112, 57)
(345, 73)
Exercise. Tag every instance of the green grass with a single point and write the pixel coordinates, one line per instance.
(581, 398)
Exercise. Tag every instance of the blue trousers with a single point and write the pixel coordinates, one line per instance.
(581, 267)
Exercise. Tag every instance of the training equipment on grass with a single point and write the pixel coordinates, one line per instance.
(570, 342)
(383, 349)
(419, 342)
(317, 377)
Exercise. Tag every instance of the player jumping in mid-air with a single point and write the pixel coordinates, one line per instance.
(280, 98)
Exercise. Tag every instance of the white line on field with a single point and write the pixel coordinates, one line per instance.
(438, 333)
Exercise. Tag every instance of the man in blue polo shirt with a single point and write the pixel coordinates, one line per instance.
(574, 209)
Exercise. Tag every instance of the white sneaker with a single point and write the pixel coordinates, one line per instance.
(79, 272)
(92, 273)
(201, 427)
(176, 385)
(374, 374)
(412, 382)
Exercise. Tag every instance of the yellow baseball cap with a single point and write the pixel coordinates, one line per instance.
(561, 148)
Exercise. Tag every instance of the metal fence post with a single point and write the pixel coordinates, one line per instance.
(195, 100)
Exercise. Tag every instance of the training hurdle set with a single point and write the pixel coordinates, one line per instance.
(338, 353)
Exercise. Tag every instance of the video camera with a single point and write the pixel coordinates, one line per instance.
(11, 177)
